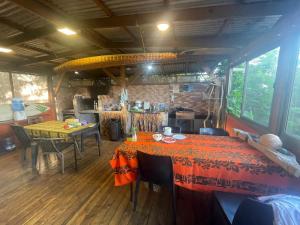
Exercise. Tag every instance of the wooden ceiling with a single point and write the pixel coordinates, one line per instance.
(210, 30)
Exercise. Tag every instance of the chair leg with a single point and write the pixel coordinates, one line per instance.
(23, 153)
(62, 163)
(137, 187)
(174, 203)
(75, 157)
(98, 143)
(81, 143)
(131, 192)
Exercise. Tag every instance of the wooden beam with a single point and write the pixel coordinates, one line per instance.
(28, 36)
(60, 20)
(111, 75)
(109, 13)
(123, 76)
(285, 27)
(59, 83)
(197, 14)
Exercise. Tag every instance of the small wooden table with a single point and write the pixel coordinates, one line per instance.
(54, 129)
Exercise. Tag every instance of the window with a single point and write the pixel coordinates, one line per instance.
(261, 74)
(30, 88)
(235, 96)
(5, 88)
(293, 122)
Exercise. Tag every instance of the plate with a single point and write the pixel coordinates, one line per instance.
(168, 140)
(179, 136)
(168, 134)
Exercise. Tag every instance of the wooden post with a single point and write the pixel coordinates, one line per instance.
(11, 85)
(123, 76)
(51, 95)
(58, 86)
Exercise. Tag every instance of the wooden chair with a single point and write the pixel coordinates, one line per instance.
(176, 130)
(94, 131)
(57, 146)
(213, 131)
(155, 170)
(23, 138)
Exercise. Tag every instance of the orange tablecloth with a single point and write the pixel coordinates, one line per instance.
(207, 163)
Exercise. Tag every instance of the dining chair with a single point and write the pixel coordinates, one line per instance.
(57, 146)
(176, 130)
(94, 131)
(155, 170)
(23, 138)
(213, 131)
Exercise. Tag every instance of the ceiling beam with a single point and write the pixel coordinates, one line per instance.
(60, 20)
(287, 26)
(201, 13)
(109, 13)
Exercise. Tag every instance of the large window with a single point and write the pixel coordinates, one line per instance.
(30, 88)
(5, 88)
(293, 123)
(235, 97)
(261, 74)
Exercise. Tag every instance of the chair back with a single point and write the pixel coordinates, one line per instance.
(21, 135)
(213, 131)
(155, 169)
(52, 144)
(174, 129)
(252, 211)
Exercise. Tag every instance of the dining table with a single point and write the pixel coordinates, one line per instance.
(55, 129)
(207, 163)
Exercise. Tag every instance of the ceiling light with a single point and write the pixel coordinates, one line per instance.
(5, 50)
(67, 31)
(76, 72)
(163, 26)
(149, 67)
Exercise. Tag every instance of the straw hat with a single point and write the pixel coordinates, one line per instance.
(270, 141)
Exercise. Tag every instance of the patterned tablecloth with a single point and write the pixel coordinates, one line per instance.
(207, 163)
(54, 129)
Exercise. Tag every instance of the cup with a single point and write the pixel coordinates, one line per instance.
(157, 137)
(168, 131)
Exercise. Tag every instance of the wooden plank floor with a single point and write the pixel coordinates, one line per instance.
(86, 196)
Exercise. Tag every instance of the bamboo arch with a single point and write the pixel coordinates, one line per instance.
(105, 61)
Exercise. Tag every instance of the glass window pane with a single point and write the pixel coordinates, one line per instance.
(293, 124)
(260, 80)
(30, 88)
(235, 96)
(5, 88)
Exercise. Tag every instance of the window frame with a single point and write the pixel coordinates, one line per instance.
(290, 141)
(251, 123)
(12, 88)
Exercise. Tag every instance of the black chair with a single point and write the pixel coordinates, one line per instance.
(213, 131)
(57, 146)
(94, 131)
(155, 170)
(176, 130)
(23, 138)
(240, 209)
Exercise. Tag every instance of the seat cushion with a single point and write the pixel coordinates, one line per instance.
(229, 203)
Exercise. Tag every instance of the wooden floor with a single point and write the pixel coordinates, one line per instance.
(86, 196)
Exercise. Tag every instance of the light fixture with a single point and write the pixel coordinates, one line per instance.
(163, 26)
(66, 31)
(149, 67)
(76, 72)
(5, 50)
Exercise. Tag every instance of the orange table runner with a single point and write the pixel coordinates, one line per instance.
(207, 163)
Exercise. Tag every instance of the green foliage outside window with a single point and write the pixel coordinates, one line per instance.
(235, 97)
(293, 124)
(259, 88)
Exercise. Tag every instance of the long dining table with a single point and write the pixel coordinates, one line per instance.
(207, 163)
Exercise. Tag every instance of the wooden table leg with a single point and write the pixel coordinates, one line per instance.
(34, 155)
